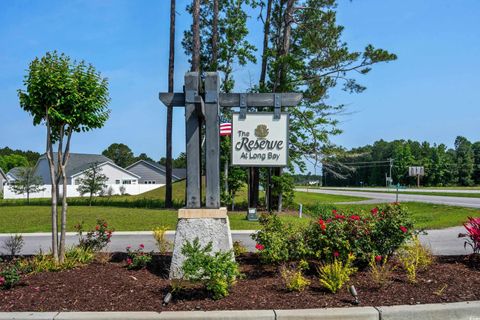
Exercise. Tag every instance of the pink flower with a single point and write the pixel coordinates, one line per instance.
(404, 229)
(339, 216)
(334, 211)
(336, 254)
(141, 246)
(355, 217)
(129, 247)
(129, 261)
(97, 227)
(374, 211)
(2, 281)
(259, 247)
(378, 258)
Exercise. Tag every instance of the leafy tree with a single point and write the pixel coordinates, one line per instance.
(92, 182)
(120, 153)
(464, 157)
(476, 156)
(67, 97)
(143, 156)
(11, 161)
(27, 182)
(32, 156)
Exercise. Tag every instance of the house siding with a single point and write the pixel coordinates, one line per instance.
(148, 173)
(113, 173)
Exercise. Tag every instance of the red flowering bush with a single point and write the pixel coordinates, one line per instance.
(96, 239)
(473, 228)
(278, 241)
(137, 259)
(380, 232)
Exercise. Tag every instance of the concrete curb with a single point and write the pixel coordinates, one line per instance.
(116, 233)
(449, 311)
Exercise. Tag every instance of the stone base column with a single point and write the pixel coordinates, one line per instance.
(208, 225)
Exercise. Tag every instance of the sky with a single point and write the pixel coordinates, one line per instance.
(431, 93)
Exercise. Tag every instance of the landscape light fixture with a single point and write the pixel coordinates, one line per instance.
(167, 299)
(353, 292)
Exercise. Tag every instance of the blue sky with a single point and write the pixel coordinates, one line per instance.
(430, 93)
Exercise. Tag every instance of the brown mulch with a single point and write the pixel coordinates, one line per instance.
(111, 287)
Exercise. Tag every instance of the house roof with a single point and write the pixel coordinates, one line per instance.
(3, 174)
(14, 172)
(79, 162)
(178, 173)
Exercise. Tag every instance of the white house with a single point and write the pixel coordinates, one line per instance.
(120, 180)
(153, 173)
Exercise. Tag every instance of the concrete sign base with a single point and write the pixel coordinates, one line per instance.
(208, 225)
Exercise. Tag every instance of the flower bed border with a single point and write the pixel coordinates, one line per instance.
(456, 310)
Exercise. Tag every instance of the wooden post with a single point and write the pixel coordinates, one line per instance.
(193, 128)
(212, 139)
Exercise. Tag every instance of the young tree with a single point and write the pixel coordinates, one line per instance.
(92, 182)
(67, 97)
(476, 155)
(27, 182)
(120, 153)
(171, 72)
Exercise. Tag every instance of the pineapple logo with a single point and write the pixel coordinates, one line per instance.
(261, 131)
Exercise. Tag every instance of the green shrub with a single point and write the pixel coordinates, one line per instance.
(414, 258)
(9, 277)
(278, 241)
(137, 259)
(74, 257)
(380, 270)
(239, 248)
(333, 276)
(163, 244)
(217, 272)
(96, 239)
(293, 278)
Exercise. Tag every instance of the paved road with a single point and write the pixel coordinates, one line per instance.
(475, 191)
(442, 242)
(391, 197)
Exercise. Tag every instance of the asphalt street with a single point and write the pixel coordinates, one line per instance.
(441, 242)
(379, 197)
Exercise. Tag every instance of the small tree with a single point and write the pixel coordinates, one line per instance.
(66, 96)
(93, 181)
(27, 182)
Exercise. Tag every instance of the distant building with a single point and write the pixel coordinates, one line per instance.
(3, 180)
(153, 173)
(13, 174)
(120, 180)
(80, 162)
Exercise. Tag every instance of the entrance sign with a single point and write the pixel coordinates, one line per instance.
(260, 140)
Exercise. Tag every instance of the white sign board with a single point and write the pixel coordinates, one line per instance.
(259, 140)
(416, 171)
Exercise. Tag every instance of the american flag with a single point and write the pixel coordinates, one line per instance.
(225, 129)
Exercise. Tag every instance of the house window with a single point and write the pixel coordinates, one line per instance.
(117, 181)
(146, 182)
(127, 182)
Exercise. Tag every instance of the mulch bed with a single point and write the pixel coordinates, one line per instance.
(111, 287)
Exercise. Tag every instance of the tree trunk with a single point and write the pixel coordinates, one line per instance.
(266, 32)
(196, 36)
(54, 209)
(213, 64)
(63, 228)
(225, 172)
(171, 71)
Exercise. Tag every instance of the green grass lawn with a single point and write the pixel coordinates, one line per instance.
(37, 218)
(427, 215)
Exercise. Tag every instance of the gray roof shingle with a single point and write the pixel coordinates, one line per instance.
(79, 162)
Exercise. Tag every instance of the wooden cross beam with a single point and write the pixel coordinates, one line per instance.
(231, 100)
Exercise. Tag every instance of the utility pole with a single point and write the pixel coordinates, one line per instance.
(391, 165)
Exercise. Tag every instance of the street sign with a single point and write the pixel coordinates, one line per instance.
(416, 171)
(260, 140)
